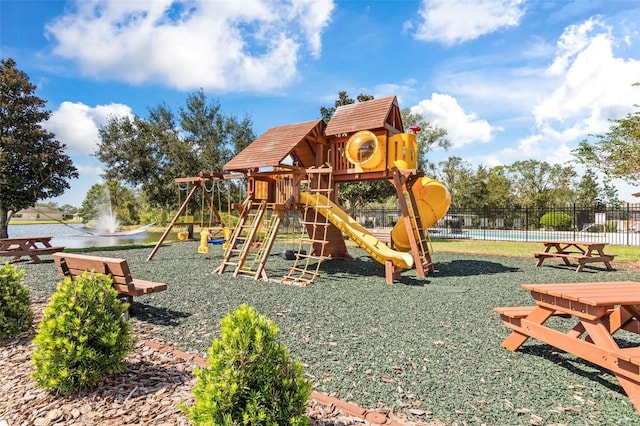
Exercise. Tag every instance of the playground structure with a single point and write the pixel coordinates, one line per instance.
(299, 167)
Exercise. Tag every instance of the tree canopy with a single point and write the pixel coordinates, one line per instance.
(616, 152)
(33, 164)
(529, 183)
(150, 153)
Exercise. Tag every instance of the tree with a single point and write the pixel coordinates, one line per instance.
(357, 195)
(343, 99)
(150, 153)
(458, 177)
(540, 184)
(33, 164)
(616, 152)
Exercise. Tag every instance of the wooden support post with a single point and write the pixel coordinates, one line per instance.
(173, 221)
(391, 272)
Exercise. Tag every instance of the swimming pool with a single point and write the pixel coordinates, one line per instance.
(622, 238)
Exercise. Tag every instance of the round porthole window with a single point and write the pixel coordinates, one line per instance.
(361, 147)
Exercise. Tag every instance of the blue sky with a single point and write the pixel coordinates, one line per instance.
(510, 80)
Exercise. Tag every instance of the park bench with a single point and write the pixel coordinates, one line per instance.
(513, 314)
(74, 264)
(580, 251)
(33, 247)
(383, 234)
(595, 312)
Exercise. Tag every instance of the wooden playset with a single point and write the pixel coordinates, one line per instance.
(300, 167)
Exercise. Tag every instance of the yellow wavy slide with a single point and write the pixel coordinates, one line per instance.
(433, 201)
(358, 233)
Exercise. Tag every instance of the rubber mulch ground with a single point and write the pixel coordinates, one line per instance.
(427, 345)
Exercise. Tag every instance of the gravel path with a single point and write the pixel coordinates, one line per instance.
(425, 348)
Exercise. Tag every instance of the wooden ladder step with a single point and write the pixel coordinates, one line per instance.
(311, 256)
(305, 271)
(312, 241)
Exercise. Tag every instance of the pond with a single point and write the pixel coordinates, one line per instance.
(77, 236)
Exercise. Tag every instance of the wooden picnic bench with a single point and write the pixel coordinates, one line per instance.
(383, 234)
(74, 264)
(597, 310)
(27, 246)
(582, 251)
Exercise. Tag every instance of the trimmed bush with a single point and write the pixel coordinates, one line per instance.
(250, 379)
(611, 226)
(557, 220)
(84, 335)
(15, 315)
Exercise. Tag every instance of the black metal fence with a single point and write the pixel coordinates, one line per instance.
(614, 225)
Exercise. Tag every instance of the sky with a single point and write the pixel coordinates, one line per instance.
(509, 80)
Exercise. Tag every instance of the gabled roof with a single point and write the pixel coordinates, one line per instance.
(270, 149)
(370, 115)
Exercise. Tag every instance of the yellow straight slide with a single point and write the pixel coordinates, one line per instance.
(358, 233)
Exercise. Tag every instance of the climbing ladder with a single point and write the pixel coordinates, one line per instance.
(311, 249)
(243, 236)
(417, 234)
(259, 249)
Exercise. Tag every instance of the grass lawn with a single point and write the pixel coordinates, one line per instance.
(431, 345)
(520, 249)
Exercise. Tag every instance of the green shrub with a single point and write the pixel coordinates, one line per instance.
(250, 379)
(83, 336)
(557, 220)
(611, 226)
(15, 315)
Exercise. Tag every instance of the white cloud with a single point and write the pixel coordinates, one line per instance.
(463, 128)
(573, 40)
(76, 124)
(189, 44)
(452, 22)
(596, 86)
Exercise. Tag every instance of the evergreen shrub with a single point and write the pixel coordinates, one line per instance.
(559, 221)
(84, 335)
(15, 314)
(250, 379)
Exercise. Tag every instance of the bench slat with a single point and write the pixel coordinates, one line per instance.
(76, 264)
(519, 312)
(40, 250)
(146, 287)
(565, 255)
(631, 355)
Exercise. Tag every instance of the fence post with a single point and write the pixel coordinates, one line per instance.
(526, 223)
(575, 220)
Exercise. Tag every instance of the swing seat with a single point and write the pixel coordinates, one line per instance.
(218, 241)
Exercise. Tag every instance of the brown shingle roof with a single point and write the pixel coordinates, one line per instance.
(274, 145)
(367, 115)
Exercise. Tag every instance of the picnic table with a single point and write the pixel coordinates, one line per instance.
(599, 310)
(582, 251)
(27, 246)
